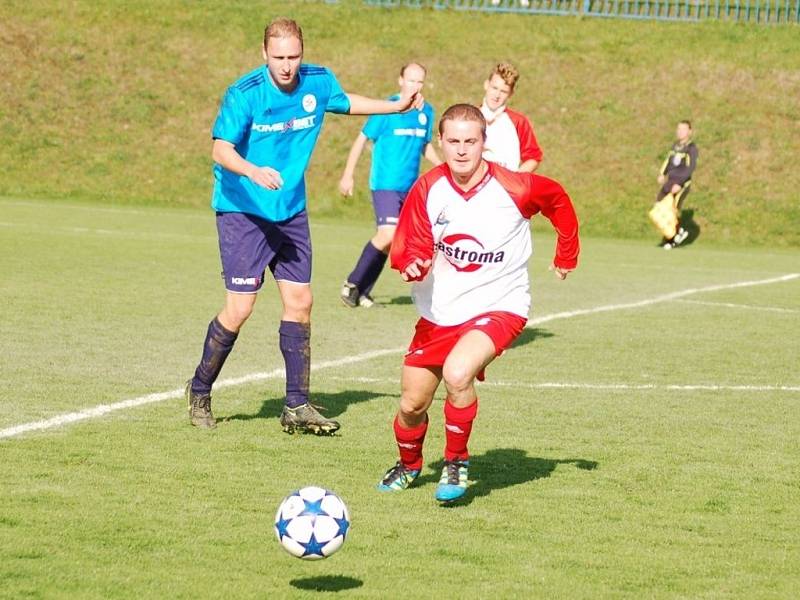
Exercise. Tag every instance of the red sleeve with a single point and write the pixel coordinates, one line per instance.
(536, 194)
(528, 146)
(413, 237)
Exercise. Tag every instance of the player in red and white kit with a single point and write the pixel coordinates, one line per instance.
(510, 140)
(464, 239)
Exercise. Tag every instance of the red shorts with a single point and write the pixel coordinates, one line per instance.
(432, 343)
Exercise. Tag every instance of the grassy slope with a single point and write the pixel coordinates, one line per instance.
(115, 101)
(579, 493)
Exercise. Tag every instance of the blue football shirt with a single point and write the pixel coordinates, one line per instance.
(272, 128)
(399, 141)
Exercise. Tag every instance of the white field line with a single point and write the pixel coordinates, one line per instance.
(699, 387)
(658, 299)
(744, 306)
(102, 409)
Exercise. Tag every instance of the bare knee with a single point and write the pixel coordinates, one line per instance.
(457, 376)
(413, 410)
(297, 305)
(382, 239)
(234, 314)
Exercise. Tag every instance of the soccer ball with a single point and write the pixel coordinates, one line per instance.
(312, 523)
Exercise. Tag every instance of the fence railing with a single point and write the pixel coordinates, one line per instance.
(750, 11)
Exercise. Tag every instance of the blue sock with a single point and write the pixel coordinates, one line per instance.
(368, 269)
(219, 343)
(295, 343)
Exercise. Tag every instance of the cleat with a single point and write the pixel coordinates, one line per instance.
(349, 294)
(366, 301)
(680, 237)
(398, 478)
(306, 419)
(668, 245)
(200, 414)
(453, 484)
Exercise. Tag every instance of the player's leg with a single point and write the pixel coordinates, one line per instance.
(358, 285)
(474, 350)
(240, 243)
(418, 384)
(680, 197)
(291, 268)
(483, 339)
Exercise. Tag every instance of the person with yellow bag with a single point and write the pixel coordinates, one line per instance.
(675, 178)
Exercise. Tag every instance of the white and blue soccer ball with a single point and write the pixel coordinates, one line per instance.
(312, 523)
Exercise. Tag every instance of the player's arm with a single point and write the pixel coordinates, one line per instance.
(224, 153)
(361, 105)
(412, 246)
(529, 166)
(346, 183)
(547, 196)
(530, 153)
(430, 154)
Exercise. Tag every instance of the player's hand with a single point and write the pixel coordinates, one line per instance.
(346, 185)
(560, 272)
(661, 179)
(416, 270)
(414, 101)
(266, 177)
(675, 188)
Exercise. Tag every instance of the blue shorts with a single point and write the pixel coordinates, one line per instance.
(387, 205)
(248, 245)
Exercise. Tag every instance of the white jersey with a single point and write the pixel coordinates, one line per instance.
(479, 241)
(510, 140)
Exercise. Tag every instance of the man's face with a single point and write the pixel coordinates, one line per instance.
(283, 56)
(683, 132)
(412, 80)
(497, 92)
(462, 146)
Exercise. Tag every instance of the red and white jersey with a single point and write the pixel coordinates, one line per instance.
(510, 140)
(479, 241)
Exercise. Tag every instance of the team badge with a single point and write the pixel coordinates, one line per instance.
(309, 102)
(423, 119)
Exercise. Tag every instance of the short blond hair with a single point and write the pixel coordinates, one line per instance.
(507, 72)
(283, 27)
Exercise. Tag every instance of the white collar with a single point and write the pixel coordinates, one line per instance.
(491, 115)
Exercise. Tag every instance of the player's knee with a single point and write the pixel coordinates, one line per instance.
(412, 407)
(457, 376)
(298, 305)
(235, 315)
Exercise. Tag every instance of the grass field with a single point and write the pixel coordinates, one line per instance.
(641, 439)
(113, 101)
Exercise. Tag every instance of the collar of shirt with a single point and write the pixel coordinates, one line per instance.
(491, 115)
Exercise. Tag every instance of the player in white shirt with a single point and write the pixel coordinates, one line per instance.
(463, 238)
(510, 140)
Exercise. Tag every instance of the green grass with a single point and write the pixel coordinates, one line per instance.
(114, 101)
(614, 486)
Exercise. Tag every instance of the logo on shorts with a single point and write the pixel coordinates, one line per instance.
(483, 321)
(245, 280)
(466, 253)
(423, 119)
(309, 102)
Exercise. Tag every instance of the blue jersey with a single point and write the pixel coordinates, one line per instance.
(399, 142)
(272, 128)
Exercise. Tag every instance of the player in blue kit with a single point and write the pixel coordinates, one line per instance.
(264, 134)
(400, 141)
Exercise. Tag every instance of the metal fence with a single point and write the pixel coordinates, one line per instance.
(749, 11)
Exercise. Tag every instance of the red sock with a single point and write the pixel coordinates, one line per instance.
(457, 427)
(409, 442)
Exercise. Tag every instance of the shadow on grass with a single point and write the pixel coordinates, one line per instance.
(504, 467)
(333, 404)
(690, 225)
(530, 335)
(398, 300)
(327, 583)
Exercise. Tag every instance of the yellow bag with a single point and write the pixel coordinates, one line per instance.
(664, 216)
